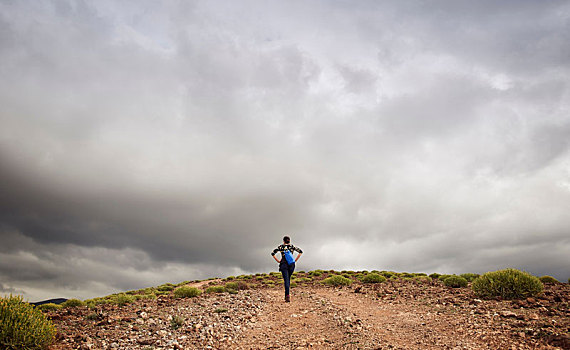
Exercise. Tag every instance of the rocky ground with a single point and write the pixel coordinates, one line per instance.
(400, 314)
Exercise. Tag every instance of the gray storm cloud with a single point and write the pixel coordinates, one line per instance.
(143, 143)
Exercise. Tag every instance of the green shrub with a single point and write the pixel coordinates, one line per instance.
(337, 280)
(22, 326)
(507, 284)
(92, 316)
(241, 285)
(422, 279)
(229, 278)
(406, 275)
(167, 287)
(122, 299)
(469, 276)
(105, 300)
(220, 310)
(548, 279)
(455, 281)
(72, 303)
(434, 275)
(97, 301)
(49, 307)
(149, 290)
(231, 286)
(373, 278)
(215, 289)
(146, 297)
(186, 292)
(176, 322)
(444, 277)
(316, 273)
(388, 274)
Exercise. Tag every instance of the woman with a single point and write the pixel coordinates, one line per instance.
(285, 267)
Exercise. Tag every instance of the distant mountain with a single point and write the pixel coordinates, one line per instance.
(55, 301)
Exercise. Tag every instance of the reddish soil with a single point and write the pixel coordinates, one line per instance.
(392, 315)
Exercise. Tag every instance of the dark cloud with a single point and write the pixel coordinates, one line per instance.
(143, 143)
(9, 290)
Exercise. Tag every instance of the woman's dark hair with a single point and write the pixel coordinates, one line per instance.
(286, 240)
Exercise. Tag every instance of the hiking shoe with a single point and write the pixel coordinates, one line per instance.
(287, 299)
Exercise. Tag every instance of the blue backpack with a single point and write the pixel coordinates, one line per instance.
(289, 257)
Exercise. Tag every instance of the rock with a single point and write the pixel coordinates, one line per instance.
(146, 341)
(508, 314)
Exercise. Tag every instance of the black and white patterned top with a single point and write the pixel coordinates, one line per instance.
(284, 247)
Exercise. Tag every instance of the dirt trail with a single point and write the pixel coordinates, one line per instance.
(310, 320)
(326, 318)
(202, 283)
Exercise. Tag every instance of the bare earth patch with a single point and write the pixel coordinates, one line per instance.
(390, 315)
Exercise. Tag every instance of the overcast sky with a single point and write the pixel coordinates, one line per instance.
(147, 142)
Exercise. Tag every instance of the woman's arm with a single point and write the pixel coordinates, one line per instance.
(298, 251)
(275, 252)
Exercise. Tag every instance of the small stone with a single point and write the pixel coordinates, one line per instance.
(508, 314)
(146, 341)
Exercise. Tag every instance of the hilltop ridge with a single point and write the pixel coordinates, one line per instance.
(406, 311)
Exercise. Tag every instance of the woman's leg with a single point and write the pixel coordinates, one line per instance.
(286, 279)
(291, 270)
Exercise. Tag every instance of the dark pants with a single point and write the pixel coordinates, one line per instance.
(286, 271)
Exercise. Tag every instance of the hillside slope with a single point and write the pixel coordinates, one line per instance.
(396, 314)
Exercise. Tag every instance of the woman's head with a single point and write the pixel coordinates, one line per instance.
(286, 240)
